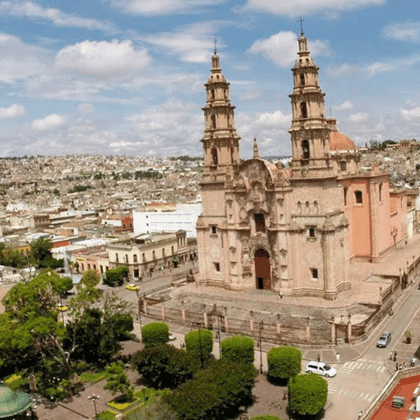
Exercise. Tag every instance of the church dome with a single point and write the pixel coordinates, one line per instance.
(338, 141)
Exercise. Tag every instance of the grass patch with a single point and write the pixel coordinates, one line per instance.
(106, 415)
(17, 382)
(123, 405)
(92, 377)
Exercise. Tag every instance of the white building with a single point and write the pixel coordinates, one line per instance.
(184, 218)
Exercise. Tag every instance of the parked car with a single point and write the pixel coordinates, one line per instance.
(320, 368)
(384, 339)
(132, 286)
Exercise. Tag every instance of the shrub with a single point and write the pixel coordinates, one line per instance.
(266, 417)
(197, 341)
(238, 349)
(155, 334)
(307, 394)
(115, 276)
(165, 366)
(284, 362)
(214, 391)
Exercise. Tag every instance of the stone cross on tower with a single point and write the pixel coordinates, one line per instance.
(301, 25)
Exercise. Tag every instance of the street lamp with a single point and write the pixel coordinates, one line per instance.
(139, 303)
(261, 326)
(94, 397)
(199, 325)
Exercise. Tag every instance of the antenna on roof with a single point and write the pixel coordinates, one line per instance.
(215, 46)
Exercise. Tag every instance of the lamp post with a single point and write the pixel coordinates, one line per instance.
(261, 326)
(199, 325)
(94, 397)
(139, 303)
(218, 332)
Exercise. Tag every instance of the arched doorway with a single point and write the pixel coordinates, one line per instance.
(262, 269)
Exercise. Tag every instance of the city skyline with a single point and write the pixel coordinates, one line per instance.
(126, 76)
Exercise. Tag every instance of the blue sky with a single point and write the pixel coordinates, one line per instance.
(126, 76)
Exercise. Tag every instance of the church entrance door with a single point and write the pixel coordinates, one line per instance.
(262, 269)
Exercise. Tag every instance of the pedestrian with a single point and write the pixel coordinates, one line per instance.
(337, 356)
(319, 358)
(391, 355)
(396, 366)
(404, 366)
(400, 366)
(281, 294)
(395, 355)
(360, 414)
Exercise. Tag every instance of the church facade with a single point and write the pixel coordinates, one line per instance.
(291, 229)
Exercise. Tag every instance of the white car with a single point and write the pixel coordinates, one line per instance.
(320, 368)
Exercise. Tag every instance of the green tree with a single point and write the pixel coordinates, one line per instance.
(117, 381)
(214, 391)
(91, 278)
(115, 276)
(199, 342)
(238, 349)
(63, 285)
(284, 362)
(41, 251)
(155, 334)
(308, 394)
(165, 366)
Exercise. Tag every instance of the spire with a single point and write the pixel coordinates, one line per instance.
(301, 26)
(256, 153)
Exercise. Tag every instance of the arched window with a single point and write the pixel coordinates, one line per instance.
(305, 149)
(299, 207)
(143, 256)
(316, 207)
(345, 195)
(232, 155)
(307, 208)
(302, 79)
(213, 121)
(380, 191)
(154, 255)
(303, 110)
(343, 166)
(214, 158)
(126, 258)
(116, 258)
(358, 196)
(163, 252)
(135, 258)
(212, 94)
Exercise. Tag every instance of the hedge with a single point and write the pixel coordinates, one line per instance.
(165, 366)
(155, 334)
(213, 392)
(308, 394)
(238, 349)
(115, 276)
(192, 342)
(284, 362)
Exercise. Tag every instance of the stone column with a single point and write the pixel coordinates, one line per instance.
(145, 306)
(226, 324)
(183, 315)
(206, 323)
(349, 331)
(333, 335)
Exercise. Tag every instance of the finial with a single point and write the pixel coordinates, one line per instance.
(256, 153)
(301, 25)
(215, 46)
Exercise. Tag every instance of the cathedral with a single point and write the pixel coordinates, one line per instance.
(293, 229)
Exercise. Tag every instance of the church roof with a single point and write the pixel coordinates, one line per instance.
(339, 141)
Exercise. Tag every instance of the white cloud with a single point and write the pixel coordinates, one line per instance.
(251, 95)
(393, 64)
(403, 31)
(192, 43)
(102, 58)
(162, 7)
(86, 108)
(358, 117)
(276, 118)
(341, 70)
(49, 123)
(18, 60)
(281, 48)
(306, 7)
(31, 10)
(410, 114)
(13, 111)
(345, 106)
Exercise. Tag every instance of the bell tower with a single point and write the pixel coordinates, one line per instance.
(220, 140)
(309, 130)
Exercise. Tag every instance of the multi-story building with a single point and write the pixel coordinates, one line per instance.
(292, 229)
